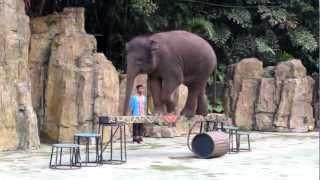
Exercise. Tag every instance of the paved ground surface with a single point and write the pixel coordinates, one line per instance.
(275, 156)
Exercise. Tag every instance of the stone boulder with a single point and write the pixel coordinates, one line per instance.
(240, 95)
(315, 101)
(295, 110)
(272, 99)
(156, 131)
(77, 84)
(265, 106)
(18, 122)
(289, 70)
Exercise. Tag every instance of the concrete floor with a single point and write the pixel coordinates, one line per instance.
(275, 156)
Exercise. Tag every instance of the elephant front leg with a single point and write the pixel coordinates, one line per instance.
(169, 86)
(155, 88)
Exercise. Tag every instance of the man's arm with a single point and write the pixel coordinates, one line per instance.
(131, 105)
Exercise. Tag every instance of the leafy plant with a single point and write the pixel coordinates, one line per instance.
(201, 26)
(302, 38)
(144, 7)
(263, 46)
(283, 56)
(217, 107)
(274, 16)
(239, 16)
(272, 30)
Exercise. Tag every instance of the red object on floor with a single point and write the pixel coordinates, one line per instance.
(170, 118)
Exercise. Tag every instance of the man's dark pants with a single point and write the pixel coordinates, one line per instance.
(137, 129)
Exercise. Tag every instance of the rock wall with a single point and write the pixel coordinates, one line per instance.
(271, 99)
(18, 122)
(315, 102)
(72, 84)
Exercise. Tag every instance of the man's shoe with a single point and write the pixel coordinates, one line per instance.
(135, 139)
(140, 139)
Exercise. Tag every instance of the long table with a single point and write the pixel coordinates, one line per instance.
(160, 119)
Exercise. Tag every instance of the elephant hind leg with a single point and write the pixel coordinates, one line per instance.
(196, 101)
(202, 108)
(192, 101)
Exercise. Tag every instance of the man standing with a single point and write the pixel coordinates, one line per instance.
(137, 108)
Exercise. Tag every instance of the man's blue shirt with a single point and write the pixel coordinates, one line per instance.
(134, 105)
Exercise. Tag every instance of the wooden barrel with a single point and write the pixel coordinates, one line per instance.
(210, 144)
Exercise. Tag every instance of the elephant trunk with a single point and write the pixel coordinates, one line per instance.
(131, 75)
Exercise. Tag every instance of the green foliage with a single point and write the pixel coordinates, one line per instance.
(304, 39)
(272, 30)
(144, 7)
(263, 46)
(218, 33)
(219, 74)
(241, 17)
(283, 56)
(201, 26)
(217, 107)
(274, 16)
(222, 34)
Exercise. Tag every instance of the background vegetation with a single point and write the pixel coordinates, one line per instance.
(272, 30)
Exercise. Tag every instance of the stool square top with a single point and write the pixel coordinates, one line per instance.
(66, 145)
(231, 127)
(86, 134)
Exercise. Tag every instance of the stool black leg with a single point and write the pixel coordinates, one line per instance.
(125, 143)
(111, 142)
(52, 150)
(73, 157)
(57, 154)
(60, 156)
(206, 127)
(97, 149)
(238, 142)
(121, 143)
(249, 148)
(87, 150)
(230, 141)
(71, 154)
(78, 157)
(101, 141)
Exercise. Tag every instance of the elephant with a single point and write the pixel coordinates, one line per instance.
(169, 59)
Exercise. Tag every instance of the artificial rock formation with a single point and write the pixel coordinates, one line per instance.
(72, 84)
(18, 122)
(273, 99)
(315, 102)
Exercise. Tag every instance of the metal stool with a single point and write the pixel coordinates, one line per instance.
(87, 137)
(232, 131)
(206, 126)
(238, 138)
(114, 128)
(74, 151)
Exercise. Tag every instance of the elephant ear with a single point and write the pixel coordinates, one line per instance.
(154, 45)
(127, 46)
(154, 48)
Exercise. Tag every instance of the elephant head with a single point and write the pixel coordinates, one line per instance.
(141, 59)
